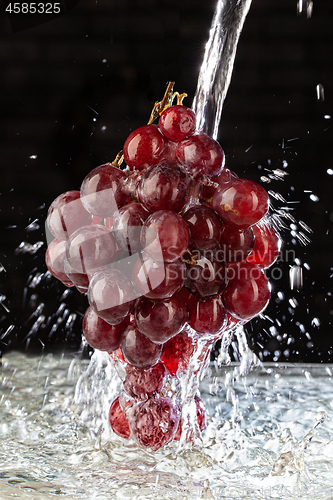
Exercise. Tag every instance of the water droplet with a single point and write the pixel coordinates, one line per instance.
(320, 92)
(330, 171)
(305, 226)
(7, 332)
(315, 322)
(293, 302)
(33, 157)
(296, 278)
(33, 226)
(313, 197)
(30, 248)
(2, 298)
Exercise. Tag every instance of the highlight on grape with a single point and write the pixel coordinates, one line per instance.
(170, 247)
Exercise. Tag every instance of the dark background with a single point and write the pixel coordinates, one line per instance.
(73, 88)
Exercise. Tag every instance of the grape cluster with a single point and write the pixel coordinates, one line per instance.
(171, 253)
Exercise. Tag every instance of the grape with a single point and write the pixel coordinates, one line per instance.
(236, 244)
(158, 280)
(164, 187)
(90, 248)
(208, 188)
(138, 350)
(267, 246)
(165, 236)
(207, 277)
(241, 203)
(66, 214)
(205, 227)
(111, 295)
(118, 420)
(124, 262)
(154, 423)
(201, 414)
(170, 252)
(177, 123)
(248, 291)
(80, 280)
(55, 258)
(101, 335)
(144, 147)
(127, 224)
(201, 155)
(207, 316)
(177, 352)
(160, 321)
(103, 190)
(144, 383)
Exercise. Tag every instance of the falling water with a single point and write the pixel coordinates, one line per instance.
(216, 70)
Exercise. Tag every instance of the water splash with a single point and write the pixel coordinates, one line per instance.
(292, 461)
(31, 248)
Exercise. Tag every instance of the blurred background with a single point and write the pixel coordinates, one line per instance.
(75, 84)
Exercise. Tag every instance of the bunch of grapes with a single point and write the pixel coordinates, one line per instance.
(171, 253)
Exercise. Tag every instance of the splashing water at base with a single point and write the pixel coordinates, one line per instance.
(280, 446)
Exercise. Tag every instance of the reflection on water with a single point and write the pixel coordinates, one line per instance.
(269, 436)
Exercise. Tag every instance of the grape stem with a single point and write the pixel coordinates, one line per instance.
(157, 110)
(193, 258)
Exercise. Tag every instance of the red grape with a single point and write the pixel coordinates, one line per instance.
(267, 246)
(144, 147)
(165, 236)
(207, 316)
(177, 352)
(101, 335)
(207, 277)
(241, 203)
(138, 350)
(164, 187)
(236, 244)
(127, 224)
(66, 214)
(205, 227)
(248, 291)
(55, 258)
(118, 420)
(177, 122)
(153, 423)
(158, 280)
(90, 248)
(80, 280)
(161, 320)
(201, 155)
(144, 383)
(209, 186)
(111, 295)
(103, 190)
